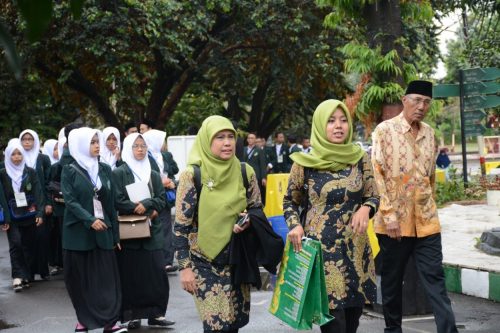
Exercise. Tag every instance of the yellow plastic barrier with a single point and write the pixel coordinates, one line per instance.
(277, 183)
(275, 191)
(491, 165)
(373, 239)
(440, 176)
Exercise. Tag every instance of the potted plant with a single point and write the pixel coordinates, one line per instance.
(492, 186)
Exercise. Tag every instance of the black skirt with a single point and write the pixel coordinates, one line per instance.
(93, 283)
(145, 288)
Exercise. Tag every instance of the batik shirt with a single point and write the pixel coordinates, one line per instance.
(404, 170)
(333, 198)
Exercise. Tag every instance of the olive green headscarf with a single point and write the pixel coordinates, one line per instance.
(223, 194)
(326, 155)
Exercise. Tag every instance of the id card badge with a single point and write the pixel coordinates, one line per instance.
(280, 158)
(98, 212)
(21, 199)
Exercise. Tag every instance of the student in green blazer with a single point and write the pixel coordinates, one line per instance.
(20, 183)
(90, 233)
(163, 162)
(41, 163)
(141, 259)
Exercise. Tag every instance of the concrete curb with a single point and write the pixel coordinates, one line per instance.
(472, 282)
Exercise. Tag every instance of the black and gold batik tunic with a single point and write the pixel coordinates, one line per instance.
(333, 199)
(221, 305)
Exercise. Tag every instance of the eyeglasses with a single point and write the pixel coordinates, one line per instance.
(139, 146)
(418, 100)
(27, 139)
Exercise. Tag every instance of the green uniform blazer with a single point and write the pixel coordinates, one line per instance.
(169, 167)
(43, 171)
(78, 193)
(3, 205)
(29, 185)
(55, 175)
(122, 177)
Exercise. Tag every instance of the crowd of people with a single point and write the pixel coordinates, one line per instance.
(63, 209)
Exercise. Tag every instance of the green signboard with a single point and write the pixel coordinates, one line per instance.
(474, 117)
(481, 102)
(474, 129)
(481, 74)
(474, 88)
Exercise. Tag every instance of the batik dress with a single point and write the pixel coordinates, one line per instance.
(221, 305)
(333, 199)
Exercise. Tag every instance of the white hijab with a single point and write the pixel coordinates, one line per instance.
(140, 169)
(61, 141)
(15, 172)
(79, 148)
(107, 156)
(31, 155)
(154, 139)
(48, 149)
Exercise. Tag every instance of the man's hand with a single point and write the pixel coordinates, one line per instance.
(393, 230)
(48, 210)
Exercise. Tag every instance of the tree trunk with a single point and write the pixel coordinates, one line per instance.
(384, 28)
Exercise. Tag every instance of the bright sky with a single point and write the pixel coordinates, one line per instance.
(451, 23)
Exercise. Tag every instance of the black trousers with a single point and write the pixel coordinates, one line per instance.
(346, 320)
(55, 248)
(429, 263)
(22, 250)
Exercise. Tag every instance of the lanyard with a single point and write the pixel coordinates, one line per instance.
(87, 176)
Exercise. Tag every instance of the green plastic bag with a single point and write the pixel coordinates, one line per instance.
(300, 297)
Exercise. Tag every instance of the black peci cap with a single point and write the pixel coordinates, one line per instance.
(420, 87)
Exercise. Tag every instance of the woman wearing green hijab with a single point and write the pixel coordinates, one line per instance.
(341, 197)
(204, 225)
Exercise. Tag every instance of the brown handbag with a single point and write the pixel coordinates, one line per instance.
(134, 226)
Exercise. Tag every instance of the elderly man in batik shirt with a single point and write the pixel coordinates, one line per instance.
(407, 223)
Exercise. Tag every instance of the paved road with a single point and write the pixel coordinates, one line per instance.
(45, 308)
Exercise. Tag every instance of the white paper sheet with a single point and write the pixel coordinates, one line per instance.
(138, 191)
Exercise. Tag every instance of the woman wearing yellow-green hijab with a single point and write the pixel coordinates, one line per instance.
(341, 197)
(202, 241)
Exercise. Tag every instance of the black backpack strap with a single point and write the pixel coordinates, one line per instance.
(197, 179)
(245, 178)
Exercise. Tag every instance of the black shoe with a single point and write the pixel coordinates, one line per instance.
(26, 284)
(134, 324)
(171, 268)
(160, 321)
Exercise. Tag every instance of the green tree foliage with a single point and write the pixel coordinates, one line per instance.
(394, 43)
(263, 63)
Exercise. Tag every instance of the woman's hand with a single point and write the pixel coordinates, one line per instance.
(188, 280)
(237, 228)
(295, 236)
(5, 227)
(153, 215)
(139, 209)
(38, 221)
(168, 183)
(359, 221)
(99, 225)
(48, 210)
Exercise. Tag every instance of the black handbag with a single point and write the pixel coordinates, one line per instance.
(22, 213)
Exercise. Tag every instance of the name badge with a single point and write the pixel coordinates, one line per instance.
(280, 158)
(98, 211)
(21, 199)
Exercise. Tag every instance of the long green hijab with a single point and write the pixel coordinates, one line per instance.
(326, 155)
(223, 194)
